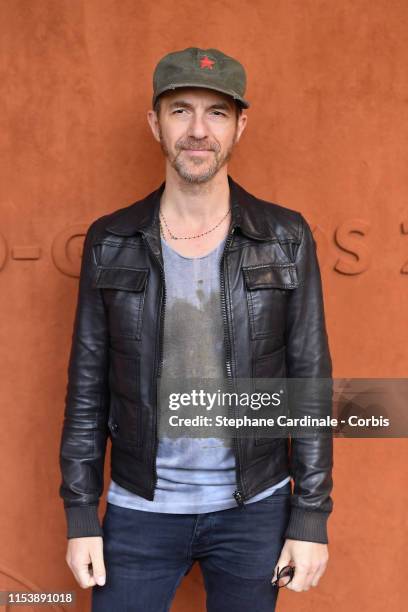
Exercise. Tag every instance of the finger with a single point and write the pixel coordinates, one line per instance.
(82, 571)
(308, 580)
(318, 574)
(98, 566)
(84, 577)
(299, 579)
(283, 560)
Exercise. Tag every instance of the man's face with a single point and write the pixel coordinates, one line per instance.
(197, 129)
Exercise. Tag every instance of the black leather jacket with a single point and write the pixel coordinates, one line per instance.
(274, 326)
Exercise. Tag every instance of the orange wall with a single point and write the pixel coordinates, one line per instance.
(327, 135)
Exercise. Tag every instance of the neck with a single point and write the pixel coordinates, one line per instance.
(195, 205)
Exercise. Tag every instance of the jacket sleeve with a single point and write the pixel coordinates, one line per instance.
(308, 356)
(84, 431)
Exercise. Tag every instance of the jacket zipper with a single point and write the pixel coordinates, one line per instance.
(159, 362)
(238, 495)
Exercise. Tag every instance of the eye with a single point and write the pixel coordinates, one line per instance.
(220, 113)
(179, 110)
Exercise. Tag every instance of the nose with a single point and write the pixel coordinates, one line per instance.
(197, 127)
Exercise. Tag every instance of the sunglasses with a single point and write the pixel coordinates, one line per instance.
(285, 574)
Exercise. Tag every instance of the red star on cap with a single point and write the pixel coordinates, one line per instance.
(206, 62)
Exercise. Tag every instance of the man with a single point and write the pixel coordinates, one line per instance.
(200, 278)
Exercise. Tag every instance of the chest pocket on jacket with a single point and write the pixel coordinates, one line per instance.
(268, 288)
(124, 292)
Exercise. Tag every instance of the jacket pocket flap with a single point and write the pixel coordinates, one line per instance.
(127, 279)
(280, 276)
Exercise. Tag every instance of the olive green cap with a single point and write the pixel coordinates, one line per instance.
(194, 67)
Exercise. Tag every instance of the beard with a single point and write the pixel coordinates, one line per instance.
(183, 167)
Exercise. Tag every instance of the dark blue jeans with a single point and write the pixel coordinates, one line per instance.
(148, 553)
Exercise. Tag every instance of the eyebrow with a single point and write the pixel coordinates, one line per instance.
(184, 104)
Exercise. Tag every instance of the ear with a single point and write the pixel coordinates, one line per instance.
(154, 124)
(241, 125)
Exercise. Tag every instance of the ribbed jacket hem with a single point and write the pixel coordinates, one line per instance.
(308, 525)
(83, 521)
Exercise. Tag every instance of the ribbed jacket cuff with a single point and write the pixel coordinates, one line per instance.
(83, 521)
(308, 525)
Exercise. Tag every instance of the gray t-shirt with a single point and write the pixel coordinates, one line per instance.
(195, 475)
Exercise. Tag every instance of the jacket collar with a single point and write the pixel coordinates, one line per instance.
(142, 216)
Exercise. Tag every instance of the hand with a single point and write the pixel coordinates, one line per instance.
(310, 560)
(80, 553)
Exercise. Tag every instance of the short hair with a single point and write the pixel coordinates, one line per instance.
(156, 107)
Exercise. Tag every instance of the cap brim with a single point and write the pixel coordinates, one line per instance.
(244, 103)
